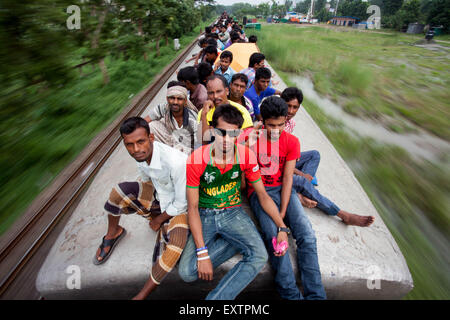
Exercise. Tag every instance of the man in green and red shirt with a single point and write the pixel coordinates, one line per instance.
(219, 226)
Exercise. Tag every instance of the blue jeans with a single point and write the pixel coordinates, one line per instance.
(308, 263)
(308, 163)
(226, 232)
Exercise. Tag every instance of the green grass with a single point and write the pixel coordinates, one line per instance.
(43, 130)
(383, 73)
(412, 197)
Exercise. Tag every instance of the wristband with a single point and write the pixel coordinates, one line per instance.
(202, 258)
(202, 251)
(202, 248)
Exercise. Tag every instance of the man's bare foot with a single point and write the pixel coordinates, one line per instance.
(108, 237)
(352, 219)
(306, 202)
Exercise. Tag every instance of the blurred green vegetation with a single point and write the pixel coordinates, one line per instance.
(44, 126)
(370, 74)
(412, 197)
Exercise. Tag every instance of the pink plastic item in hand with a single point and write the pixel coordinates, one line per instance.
(279, 247)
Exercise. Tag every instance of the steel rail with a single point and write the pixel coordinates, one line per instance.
(24, 238)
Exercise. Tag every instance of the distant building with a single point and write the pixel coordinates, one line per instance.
(344, 21)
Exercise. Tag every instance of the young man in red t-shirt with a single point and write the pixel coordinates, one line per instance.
(277, 152)
(219, 226)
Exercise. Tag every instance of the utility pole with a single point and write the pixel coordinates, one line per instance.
(335, 11)
(310, 11)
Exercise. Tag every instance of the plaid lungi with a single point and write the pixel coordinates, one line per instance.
(136, 197)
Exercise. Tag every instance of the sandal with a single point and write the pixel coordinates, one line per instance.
(108, 243)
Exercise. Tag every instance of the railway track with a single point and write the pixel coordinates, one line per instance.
(25, 245)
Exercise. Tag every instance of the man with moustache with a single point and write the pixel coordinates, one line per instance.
(217, 90)
(219, 226)
(175, 122)
(238, 85)
(161, 169)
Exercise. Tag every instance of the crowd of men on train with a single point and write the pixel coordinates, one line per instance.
(223, 133)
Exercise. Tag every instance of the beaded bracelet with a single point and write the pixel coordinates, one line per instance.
(203, 248)
(202, 251)
(203, 258)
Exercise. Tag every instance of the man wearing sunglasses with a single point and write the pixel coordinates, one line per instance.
(219, 226)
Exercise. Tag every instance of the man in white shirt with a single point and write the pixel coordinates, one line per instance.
(162, 172)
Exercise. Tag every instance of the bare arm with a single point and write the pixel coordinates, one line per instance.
(206, 135)
(271, 209)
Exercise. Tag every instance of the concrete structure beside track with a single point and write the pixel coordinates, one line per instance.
(356, 263)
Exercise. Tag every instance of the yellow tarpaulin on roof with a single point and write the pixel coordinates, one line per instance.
(241, 55)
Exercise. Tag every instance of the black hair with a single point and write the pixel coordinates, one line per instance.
(229, 114)
(211, 42)
(263, 73)
(174, 83)
(211, 48)
(207, 29)
(131, 124)
(218, 76)
(255, 58)
(212, 35)
(273, 107)
(188, 74)
(227, 54)
(234, 36)
(204, 70)
(292, 93)
(252, 39)
(202, 42)
(239, 76)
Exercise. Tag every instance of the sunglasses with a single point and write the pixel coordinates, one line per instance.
(231, 133)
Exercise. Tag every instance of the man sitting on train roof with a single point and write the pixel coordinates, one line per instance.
(223, 66)
(174, 123)
(238, 86)
(211, 54)
(219, 226)
(256, 61)
(277, 152)
(224, 35)
(162, 172)
(217, 90)
(197, 91)
(260, 89)
(204, 71)
(306, 167)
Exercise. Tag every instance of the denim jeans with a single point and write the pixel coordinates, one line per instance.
(302, 232)
(226, 232)
(308, 163)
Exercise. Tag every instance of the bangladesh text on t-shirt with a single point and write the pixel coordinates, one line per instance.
(220, 187)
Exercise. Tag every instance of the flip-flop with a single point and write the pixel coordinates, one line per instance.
(108, 243)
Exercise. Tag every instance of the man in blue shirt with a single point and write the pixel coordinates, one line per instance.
(223, 67)
(260, 89)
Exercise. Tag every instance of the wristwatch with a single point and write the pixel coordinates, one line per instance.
(285, 230)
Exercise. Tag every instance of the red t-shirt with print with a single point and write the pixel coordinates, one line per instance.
(272, 156)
